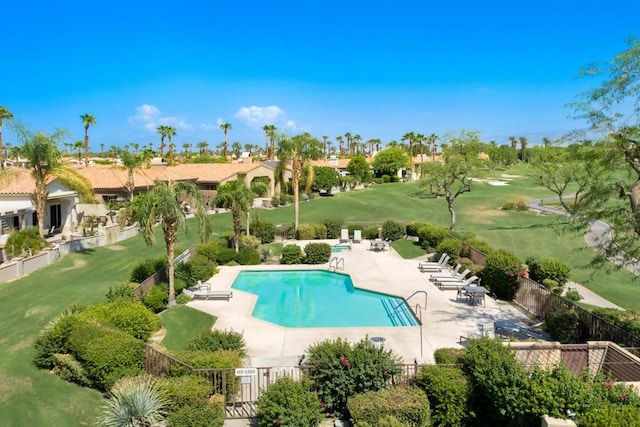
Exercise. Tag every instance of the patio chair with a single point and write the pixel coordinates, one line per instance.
(448, 273)
(344, 235)
(458, 284)
(434, 266)
(357, 236)
(451, 277)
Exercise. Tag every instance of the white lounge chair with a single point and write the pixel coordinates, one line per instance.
(357, 236)
(434, 266)
(453, 272)
(451, 278)
(207, 295)
(458, 284)
(344, 235)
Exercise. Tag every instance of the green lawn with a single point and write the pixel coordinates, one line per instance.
(182, 324)
(408, 249)
(29, 396)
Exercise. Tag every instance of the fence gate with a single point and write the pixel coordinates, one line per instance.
(242, 386)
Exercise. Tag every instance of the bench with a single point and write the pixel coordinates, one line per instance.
(209, 295)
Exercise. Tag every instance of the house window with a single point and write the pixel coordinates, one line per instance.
(211, 187)
(16, 222)
(34, 219)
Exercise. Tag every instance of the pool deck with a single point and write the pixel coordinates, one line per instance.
(445, 319)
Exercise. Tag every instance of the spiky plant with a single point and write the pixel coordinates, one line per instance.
(134, 402)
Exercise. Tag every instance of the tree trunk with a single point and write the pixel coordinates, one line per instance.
(40, 200)
(236, 230)
(86, 148)
(170, 237)
(296, 198)
(452, 213)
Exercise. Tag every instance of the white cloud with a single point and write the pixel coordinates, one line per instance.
(290, 124)
(257, 117)
(150, 117)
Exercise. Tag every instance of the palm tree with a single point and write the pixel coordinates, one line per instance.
(131, 162)
(162, 202)
(186, 146)
(226, 127)
(523, 149)
(134, 401)
(87, 120)
(546, 142)
(513, 141)
(236, 147)
(44, 160)
(203, 147)
(235, 196)
(324, 143)
(171, 132)
(298, 150)
(78, 146)
(267, 132)
(432, 142)
(136, 148)
(356, 144)
(410, 136)
(4, 114)
(340, 141)
(348, 136)
(248, 148)
(162, 130)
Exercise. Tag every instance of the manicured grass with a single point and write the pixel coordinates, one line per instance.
(183, 324)
(408, 249)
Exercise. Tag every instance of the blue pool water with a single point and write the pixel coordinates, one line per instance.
(340, 248)
(317, 298)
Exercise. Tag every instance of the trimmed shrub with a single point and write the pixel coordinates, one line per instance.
(123, 290)
(259, 188)
(184, 391)
(611, 415)
(306, 232)
(562, 324)
(183, 299)
(106, 354)
(392, 231)
(197, 415)
(334, 226)
(225, 256)
(69, 369)
(54, 339)
(501, 273)
(202, 359)
(248, 256)
(451, 247)
(20, 242)
(477, 244)
(573, 295)
(319, 231)
(265, 231)
(431, 235)
(289, 403)
(157, 298)
(275, 201)
(550, 284)
(147, 268)
(409, 405)
(248, 242)
(628, 320)
(218, 340)
(521, 205)
(545, 267)
(508, 205)
(131, 317)
(449, 392)
(317, 253)
(340, 370)
(412, 228)
(209, 250)
(370, 233)
(291, 254)
(448, 356)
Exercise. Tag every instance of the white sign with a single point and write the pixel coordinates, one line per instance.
(245, 372)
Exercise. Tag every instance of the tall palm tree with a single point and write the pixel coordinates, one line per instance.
(513, 141)
(131, 162)
(4, 114)
(45, 162)
(79, 146)
(235, 196)
(87, 120)
(349, 147)
(546, 142)
(409, 136)
(340, 140)
(523, 149)
(226, 127)
(432, 143)
(171, 132)
(356, 144)
(297, 151)
(267, 132)
(203, 147)
(186, 146)
(324, 143)
(248, 148)
(162, 130)
(162, 201)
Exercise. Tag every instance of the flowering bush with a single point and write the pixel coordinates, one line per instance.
(502, 272)
(289, 403)
(340, 370)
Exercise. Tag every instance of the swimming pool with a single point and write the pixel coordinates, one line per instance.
(340, 248)
(318, 298)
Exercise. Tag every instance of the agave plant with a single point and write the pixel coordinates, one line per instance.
(134, 402)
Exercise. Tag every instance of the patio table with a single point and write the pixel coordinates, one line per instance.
(474, 294)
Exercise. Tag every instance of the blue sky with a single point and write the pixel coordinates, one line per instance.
(378, 69)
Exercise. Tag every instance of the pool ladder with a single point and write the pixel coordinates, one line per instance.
(418, 311)
(335, 263)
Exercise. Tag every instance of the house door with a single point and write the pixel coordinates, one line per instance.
(56, 216)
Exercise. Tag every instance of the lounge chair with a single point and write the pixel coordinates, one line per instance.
(344, 235)
(357, 236)
(434, 266)
(451, 278)
(458, 284)
(207, 295)
(453, 272)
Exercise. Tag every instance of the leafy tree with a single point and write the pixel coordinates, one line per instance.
(613, 109)
(502, 156)
(44, 160)
(358, 168)
(87, 120)
(4, 114)
(452, 178)
(162, 202)
(390, 160)
(324, 178)
(567, 171)
(298, 150)
(235, 196)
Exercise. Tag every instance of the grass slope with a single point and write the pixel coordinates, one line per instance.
(183, 324)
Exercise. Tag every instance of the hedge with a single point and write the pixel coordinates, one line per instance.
(409, 405)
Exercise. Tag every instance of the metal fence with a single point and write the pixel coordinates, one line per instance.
(161, 275)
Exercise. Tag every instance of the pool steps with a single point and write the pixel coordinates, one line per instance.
(401, 315)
